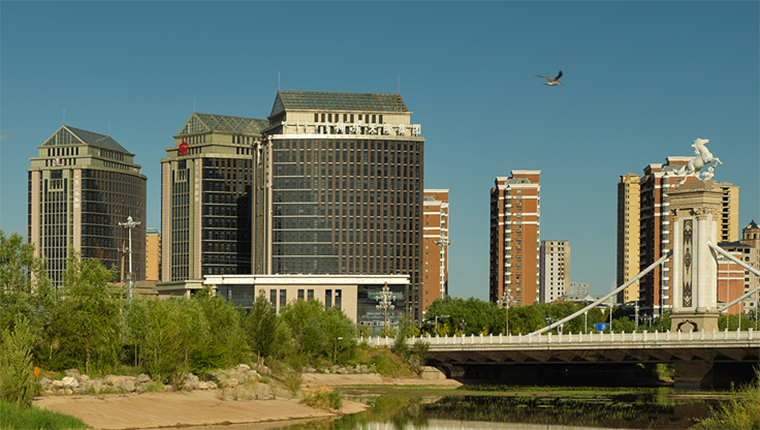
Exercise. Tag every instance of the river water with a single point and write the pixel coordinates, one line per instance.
(661, 408)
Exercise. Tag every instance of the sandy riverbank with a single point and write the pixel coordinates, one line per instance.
(205, 408)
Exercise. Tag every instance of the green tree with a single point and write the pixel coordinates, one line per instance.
(261, 328)
(26, 292)
(340, 333)
(17, 383)
(175, 326)
(476, 314)
(312, 340)
(91, 310)
(223, 342)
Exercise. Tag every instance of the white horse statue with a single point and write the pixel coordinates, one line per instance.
(703, 158)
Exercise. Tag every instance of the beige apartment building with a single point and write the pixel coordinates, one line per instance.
(515, 230)
(554, 279)
(435, 239)
(628, 212)
(152, 254)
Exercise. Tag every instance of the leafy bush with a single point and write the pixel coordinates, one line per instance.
(324, 398)
(17, 384)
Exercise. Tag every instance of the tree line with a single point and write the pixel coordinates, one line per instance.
(89, 324)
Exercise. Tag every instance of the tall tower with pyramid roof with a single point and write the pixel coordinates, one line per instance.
(80, 186)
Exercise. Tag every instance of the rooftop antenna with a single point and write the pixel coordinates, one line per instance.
(278, 80)
(109, 128)
(64, 116)
(193, 103)
(399, 84)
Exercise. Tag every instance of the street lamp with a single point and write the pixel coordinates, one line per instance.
(505, 301)
(442, 244)
(436, 321)
(385, 302)
(129, 225)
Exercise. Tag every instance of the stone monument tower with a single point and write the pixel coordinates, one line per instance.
(696, 210)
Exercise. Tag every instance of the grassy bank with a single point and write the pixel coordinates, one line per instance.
(740, 413)
(33, 418)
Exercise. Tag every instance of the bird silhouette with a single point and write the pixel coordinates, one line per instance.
(552, 81)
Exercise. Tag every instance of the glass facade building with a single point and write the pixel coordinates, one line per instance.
(338, 188)
(205, 201)
(80, 187)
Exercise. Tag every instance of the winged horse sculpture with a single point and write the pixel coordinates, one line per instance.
(703, 158)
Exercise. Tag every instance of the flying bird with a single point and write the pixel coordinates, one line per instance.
(552, 81)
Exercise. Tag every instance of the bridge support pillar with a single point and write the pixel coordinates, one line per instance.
(695, 209)
(693, 375)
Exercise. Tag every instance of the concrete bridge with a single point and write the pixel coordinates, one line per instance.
(702, 359)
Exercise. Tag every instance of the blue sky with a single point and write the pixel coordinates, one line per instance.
(642, 80)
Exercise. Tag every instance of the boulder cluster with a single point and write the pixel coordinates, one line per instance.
(76, 383)
(342, 370)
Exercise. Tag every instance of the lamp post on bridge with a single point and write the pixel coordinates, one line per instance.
(505, 301)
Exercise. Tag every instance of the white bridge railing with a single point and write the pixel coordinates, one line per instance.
(570, 339)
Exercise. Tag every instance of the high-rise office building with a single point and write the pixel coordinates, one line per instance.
(628, 212)
(515, 230)
(554, 263)
(205, 198)
(81, 186)
(435, 258)
(658, 181)
(152, 254)
(337, 188)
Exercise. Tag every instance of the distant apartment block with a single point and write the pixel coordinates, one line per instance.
(733, 279)
(658, 181)
(515, 230)
(555, 270)
(81, 186)
(435, 234)
(628, 211)
(152, 254)
(578, 290)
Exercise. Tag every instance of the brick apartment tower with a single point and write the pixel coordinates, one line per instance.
(554, 279)
(435, 236)
(734, 280)
(515, 230)
(628, 196)
(656, 231)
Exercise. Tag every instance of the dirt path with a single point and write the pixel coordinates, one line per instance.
(194, 408)
(205, 408)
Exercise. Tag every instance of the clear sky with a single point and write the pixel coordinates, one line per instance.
(641, 80)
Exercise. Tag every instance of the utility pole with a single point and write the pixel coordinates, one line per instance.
(129, 225)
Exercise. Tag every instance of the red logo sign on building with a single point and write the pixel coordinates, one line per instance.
(183, 147)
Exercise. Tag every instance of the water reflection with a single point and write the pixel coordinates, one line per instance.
(656, 410)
